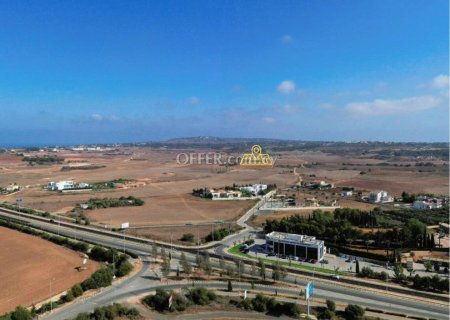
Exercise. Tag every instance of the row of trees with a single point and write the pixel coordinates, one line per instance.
(434, 283)
(357, 217)
(338, 228)
(95, 203)
(120, 262)
(195, 296)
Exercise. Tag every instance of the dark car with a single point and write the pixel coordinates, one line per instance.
(271, 254)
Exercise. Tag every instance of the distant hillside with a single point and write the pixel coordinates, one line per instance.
(374, 149)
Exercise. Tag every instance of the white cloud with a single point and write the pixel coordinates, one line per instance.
(286, 87)
(96, 117)
(380, 107)
(441, 81)
(268, 120)
(286, 38)
(194, 100)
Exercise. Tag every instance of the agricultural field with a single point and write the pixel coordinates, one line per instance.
(165, 186)
(34, 268)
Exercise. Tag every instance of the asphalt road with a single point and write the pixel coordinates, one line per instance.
(323, 289)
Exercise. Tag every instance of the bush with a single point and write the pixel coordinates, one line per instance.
(69, 296)
(21, 313)
(100, 278)
(354, 312)
(160, 301)
(201, 296)
(383, 275)
(331, 305)
(291, 309)
(110, 312)
(262, 303)
(188, 237)
(123, 268)
(77, 290)
(327, 314)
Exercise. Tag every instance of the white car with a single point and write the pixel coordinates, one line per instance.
(334, 276)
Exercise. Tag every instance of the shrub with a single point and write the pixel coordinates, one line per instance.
(201, 296)
(123, 268)
(77, 290)
(188, 237)
(69, 296)
(262, 303)
(291, 309)
(331, 305)
(327, 314)
(110, 312)
(354, 312)
(160, 301)
(100, 278)
(21, 313)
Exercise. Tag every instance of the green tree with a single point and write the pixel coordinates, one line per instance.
(77, 290)
(21, 313)
(331, 305)
(205, 264)
(428, 266)
(239, 267)
(123, 268)
(262, 268)
(69, 296)
(163, 253)
(165, 268)
(222, 265)
(154, 251)
(188, 237)
(354, 312)
(230, 286)
(253, 269)
(185, 265)
(398, 272)
(276, 271)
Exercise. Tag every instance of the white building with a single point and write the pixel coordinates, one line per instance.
(12, 188)
(301, 246)
(346, 193)
(427, 204)
(61, 185)
(380, 197)
(255, 189)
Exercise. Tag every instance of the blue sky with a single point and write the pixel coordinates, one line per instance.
(117, 71)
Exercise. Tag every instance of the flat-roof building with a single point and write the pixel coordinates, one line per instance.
(289, 244)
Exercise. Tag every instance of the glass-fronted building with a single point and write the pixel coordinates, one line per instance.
(301, 246)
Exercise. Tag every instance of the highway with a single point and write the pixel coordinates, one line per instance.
(324, 288)
(146, 281)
